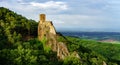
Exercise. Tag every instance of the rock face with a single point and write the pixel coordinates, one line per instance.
(47, 30)
(62, 50)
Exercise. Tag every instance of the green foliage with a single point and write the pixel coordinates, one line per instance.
(72, 60)
(16, 45)
(46, 47)
(28, 53)
(19, 45)
(61, 39)
(88, 56)
(110, 52)
(12, 23)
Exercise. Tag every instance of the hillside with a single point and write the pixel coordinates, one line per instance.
(14, 27)
(19, 45)
(107, 50)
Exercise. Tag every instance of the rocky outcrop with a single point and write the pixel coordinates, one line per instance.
(62, 50)
(47, 30)
(104, 63)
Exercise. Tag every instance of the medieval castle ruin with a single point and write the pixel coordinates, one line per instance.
(47, 31)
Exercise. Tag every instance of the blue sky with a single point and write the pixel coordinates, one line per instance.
(74, 15)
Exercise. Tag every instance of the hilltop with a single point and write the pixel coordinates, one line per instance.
(19, 44)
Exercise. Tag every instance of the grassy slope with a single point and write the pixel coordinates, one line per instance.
(108, 50)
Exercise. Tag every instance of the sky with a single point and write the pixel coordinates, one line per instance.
(71, 15)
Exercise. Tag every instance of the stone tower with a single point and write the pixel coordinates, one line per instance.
(45, 27)
(42, 18)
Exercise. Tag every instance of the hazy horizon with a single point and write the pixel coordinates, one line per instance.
(86, 30)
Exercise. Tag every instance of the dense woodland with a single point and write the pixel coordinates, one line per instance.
(19, 45)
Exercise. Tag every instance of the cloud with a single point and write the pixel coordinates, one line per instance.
(47, 6)
(20, 0)
(31, 9)
(83, 21)
(51, 5)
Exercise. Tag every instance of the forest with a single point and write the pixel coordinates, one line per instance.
(19, 45)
